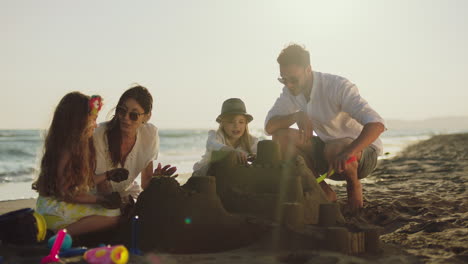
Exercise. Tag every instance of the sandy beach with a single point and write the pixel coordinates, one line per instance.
(419, 198)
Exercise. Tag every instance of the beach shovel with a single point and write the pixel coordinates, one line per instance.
(325, 175)
(53, 255)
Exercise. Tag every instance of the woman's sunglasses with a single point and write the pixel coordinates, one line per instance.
(122, 112)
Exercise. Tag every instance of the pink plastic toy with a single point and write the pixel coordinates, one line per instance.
(107, 255)
(53, 255)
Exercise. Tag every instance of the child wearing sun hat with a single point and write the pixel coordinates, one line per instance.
(232, 135)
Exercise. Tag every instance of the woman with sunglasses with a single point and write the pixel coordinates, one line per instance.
(128, 141)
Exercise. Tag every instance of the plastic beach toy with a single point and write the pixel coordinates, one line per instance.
(323, 176)
(66, 244)
(53, 255)
(41, 226)
(23, 226)
(71, 252)
(107, 255)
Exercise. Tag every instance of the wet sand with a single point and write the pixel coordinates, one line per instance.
(419, 198)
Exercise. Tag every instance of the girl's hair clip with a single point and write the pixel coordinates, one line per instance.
(95, 104)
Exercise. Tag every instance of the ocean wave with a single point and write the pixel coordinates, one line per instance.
(21, 140)
(20, 175)
(181, 133)
(20, 137)
(19, 153)
(28, 170)
(7, 134)
(20, 133)
(24, 179)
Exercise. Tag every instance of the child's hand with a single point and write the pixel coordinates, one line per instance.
(241, 157)
(165, 171)
(251, 157)
(117, 175)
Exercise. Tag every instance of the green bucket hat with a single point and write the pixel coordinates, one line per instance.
(234, 106)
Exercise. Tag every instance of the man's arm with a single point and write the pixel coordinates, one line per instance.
(278, 122)
(370, 132)
(360, 110)
(282, 114)
(303, 122)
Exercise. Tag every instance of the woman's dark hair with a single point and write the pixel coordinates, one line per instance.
(67, 135)
(114, 135)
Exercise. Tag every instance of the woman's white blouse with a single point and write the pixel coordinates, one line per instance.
(144, 151)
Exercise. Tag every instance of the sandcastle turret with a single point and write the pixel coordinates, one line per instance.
(260, 188)
(202, 184)
(268, 152)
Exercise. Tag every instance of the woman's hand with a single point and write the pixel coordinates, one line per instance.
(117, 175)
(110, 201)
(165, 171)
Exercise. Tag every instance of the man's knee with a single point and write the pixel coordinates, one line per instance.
(285, 137)
(351, 171)
(287, 140)
(332, 148)
(284, 134)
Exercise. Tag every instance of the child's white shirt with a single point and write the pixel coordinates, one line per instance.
(216, 141)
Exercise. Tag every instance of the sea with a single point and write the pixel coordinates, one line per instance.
(21, 151)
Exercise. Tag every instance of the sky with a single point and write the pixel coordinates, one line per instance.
(409, 59)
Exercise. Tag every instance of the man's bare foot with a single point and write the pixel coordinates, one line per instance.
(355, 199)
(329, 193)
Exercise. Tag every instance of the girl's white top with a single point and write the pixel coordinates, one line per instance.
(216, 141)
(144, 151)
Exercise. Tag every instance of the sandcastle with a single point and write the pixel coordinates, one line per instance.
(190, 219)
(287, 193)
(277, 202)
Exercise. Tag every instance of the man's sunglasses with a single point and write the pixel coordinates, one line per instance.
(285, 81)
(122, 112)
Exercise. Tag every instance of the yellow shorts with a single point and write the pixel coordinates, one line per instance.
(59, 214)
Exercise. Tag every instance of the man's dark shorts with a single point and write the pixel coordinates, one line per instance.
(366, 165)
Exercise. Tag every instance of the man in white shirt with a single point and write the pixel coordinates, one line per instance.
(329, 105)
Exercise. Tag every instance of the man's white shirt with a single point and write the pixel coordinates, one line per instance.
(336, 108)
